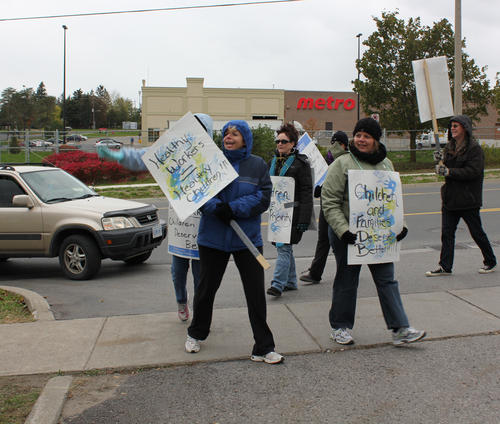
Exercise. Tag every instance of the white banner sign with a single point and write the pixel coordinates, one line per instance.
(188, 166)
(183, 235)
(281, 209)
(439, 87)
(375, 216)
(306, 146)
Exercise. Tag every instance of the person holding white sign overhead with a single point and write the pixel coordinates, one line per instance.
(132, 159)
(462, 195)
(243, 200)
(288, 162)
(365, 153)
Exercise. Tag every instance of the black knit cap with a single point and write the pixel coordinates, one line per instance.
(340, 137)
(370, 126)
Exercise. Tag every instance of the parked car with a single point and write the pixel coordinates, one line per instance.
(110, 143)
(76, 137)
(41, 143)
(53, 140)
(46, 212)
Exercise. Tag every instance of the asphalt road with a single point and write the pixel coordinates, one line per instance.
(123, 290)
(443, 381)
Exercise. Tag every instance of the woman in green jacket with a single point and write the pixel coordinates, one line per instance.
(365, 153)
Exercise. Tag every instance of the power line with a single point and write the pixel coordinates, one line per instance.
(165, 9)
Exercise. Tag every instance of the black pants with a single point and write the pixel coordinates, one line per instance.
(449, 227)
(322, 249)
(213, 265)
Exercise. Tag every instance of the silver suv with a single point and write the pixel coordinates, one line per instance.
(46, 212)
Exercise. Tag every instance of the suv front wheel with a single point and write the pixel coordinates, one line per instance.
(79, 257)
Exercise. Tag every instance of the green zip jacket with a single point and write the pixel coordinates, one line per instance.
(335, 191)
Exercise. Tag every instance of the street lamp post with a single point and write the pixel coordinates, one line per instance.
(64, 86)
(358, 36)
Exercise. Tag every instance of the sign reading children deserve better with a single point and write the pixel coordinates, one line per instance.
(183, 235)
(281, 209)
(188, 166)
(375, 216)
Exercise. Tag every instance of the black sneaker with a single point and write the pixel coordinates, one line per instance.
(308, 278)
(437, 272)
(486, 269)
(273, 291)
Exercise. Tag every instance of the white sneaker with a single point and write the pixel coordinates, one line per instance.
(268, 358)
(406, 335)
(486, 269)
(192, 345)
(183, 311)
(342, 336)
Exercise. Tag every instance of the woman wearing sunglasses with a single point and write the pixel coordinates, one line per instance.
(288, 162)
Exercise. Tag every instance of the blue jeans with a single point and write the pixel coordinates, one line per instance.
(284, 271)
(345, 288)
(179, 269)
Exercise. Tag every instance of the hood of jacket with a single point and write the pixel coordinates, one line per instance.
(206, 122)
(245, 131)
(463, 120)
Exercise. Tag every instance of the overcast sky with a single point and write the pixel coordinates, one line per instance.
(306, 45)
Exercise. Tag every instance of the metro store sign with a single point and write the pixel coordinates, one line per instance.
(321, 103)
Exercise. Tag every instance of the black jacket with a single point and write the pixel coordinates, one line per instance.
(463, 187)
(300, 171)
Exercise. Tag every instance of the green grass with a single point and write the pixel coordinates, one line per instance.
(13, 308)
(35, 156)
(16, 403)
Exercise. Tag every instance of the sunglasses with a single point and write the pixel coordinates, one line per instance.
(282, 141)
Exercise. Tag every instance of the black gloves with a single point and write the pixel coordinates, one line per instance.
(223, 212)
(402, 234)
(302, 227)
(317, 191)
(348, 237)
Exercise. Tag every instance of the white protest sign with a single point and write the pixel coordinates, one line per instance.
(375, 216)
(306, 146)
(183, 235)
(439, 88)
(279, 229)
(188, 166)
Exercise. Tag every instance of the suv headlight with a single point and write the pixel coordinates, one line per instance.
(116, 223)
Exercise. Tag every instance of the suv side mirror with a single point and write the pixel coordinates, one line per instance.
(23, 201)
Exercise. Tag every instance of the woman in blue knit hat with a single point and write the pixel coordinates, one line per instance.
(243, 200)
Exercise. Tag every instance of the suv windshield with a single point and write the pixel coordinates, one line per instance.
(53, 186)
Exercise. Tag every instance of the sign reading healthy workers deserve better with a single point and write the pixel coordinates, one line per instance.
(281, 209)
(375, 216)
(188, 166)
(183, 235)
(306, 146)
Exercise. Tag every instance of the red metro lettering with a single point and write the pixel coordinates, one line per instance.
(328, 103)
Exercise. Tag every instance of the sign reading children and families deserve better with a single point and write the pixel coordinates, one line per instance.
(188, 166)
(183, 235)
(375, 216)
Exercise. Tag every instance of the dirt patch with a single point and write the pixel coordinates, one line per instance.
(87, 391)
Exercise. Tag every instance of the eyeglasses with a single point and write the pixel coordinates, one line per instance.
(282, 141)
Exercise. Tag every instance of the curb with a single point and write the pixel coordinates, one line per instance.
(37, 305)
(49, 405)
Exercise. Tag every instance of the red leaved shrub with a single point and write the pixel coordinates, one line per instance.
(88, 168)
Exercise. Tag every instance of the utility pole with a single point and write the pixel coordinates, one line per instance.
(457, 86)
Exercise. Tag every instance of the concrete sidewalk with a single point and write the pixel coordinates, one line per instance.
(48, 346)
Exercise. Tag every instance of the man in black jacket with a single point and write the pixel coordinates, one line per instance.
(462, 194)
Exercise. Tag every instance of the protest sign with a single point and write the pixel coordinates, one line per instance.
(183, 235)
(375, 216)
(281, 209)
(433, 89)
(306, 146)
(188, 166)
